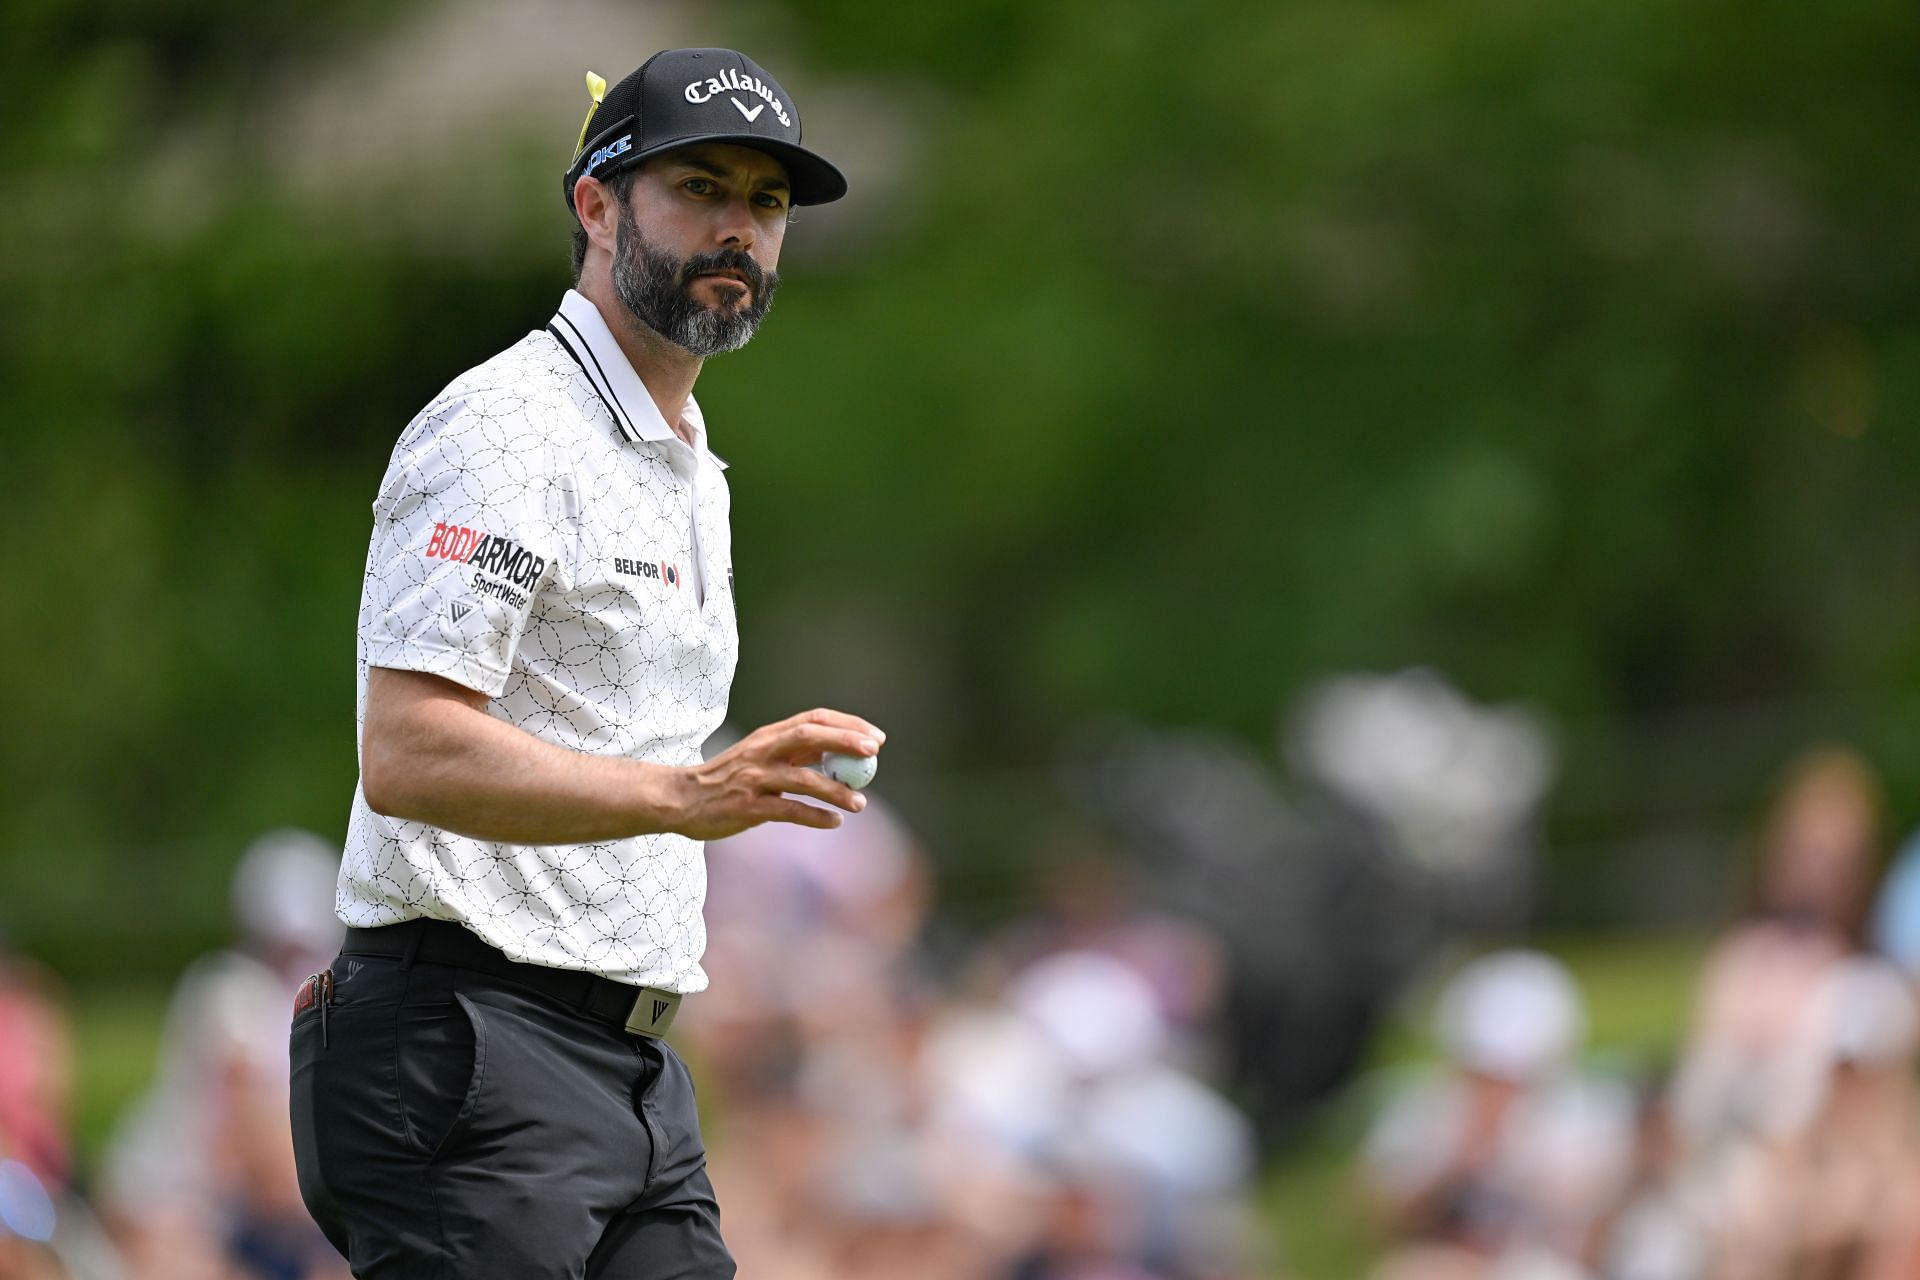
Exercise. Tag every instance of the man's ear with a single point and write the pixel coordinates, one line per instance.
(598, 211)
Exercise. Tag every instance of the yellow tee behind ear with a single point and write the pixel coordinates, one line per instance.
(597, 86)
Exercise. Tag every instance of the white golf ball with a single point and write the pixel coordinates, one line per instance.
(851, 771)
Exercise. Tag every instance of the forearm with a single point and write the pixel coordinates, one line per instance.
(429, 752)
(443, 760)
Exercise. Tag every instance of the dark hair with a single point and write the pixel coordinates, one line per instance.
(1838, 779)
(620, 185)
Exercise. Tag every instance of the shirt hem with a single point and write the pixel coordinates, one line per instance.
(432, 659)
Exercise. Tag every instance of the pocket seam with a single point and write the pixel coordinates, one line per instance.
(407, 1132)
(472, 1098)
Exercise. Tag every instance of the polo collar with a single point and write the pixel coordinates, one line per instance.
(580, 329)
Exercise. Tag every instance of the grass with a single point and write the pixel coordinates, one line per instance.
(116, 1038)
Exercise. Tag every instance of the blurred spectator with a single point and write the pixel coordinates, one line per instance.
(36, 1065)
(1819, 854)
(1896, 913)
(46, 1230)
(1505, 1159)
(49, 1235)
(199, 1181)
(1067, 1080)
(27, 1220)
(34, 1073)
(1664, 1226)
(809, 933)
(1834, 1193)
(880, 1122)
(810, 1030)
(1091, 900)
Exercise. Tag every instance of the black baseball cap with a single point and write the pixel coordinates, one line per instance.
(679, 97)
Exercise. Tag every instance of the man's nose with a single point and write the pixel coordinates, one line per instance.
(735, 228)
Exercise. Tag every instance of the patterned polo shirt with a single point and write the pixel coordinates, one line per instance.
(543, 537)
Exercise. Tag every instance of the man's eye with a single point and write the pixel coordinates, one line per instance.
(768, 200)
(699, 186)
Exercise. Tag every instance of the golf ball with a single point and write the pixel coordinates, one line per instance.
(851, 771)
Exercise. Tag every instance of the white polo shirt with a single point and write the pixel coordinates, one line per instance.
(543, 537)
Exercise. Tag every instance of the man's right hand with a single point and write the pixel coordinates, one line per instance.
(756, 779)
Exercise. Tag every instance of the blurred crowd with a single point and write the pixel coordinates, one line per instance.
(198, 1181)
(1783, 1143)
(1036, 1111)
(1067, 1095)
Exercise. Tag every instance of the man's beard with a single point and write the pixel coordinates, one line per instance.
(657, 289)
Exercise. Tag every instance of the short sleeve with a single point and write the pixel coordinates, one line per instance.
(475, 519)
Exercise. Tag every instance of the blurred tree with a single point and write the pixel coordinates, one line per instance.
(1568, 349)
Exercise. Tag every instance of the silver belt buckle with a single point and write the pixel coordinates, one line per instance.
(653, 1011)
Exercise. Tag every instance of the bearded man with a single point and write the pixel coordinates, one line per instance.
(481, 1086)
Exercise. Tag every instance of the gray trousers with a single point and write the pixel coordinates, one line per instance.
(449, 1123)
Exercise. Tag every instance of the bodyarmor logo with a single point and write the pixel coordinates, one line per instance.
(500, 557)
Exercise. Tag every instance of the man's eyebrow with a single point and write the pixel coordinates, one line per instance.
(713, 168)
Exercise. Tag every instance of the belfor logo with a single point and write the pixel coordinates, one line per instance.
(658, 570)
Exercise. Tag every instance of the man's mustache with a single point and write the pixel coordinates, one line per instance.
(737, 260)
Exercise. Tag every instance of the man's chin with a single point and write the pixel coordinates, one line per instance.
(727, 306)
(715, 339)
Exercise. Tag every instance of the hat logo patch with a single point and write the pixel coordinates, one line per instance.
(618, 147)
(700, 91)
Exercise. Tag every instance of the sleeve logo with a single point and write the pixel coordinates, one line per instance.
(488, 553)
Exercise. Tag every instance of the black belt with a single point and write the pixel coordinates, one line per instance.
(644, 1011)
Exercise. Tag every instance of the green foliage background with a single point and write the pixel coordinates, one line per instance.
(1573, 349)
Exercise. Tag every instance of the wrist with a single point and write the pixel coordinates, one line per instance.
(662, 797)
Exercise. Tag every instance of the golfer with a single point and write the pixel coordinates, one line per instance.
(481, 1087)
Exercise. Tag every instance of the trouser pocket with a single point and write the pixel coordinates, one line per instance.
(377, 1101)
(308, 1121)
(440, 1060)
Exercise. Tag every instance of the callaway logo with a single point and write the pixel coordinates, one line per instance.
(659, 1007)
(750, 115)
(730, 80)
(459, 610)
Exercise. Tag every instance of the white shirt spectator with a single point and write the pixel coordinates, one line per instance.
(543, 537)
